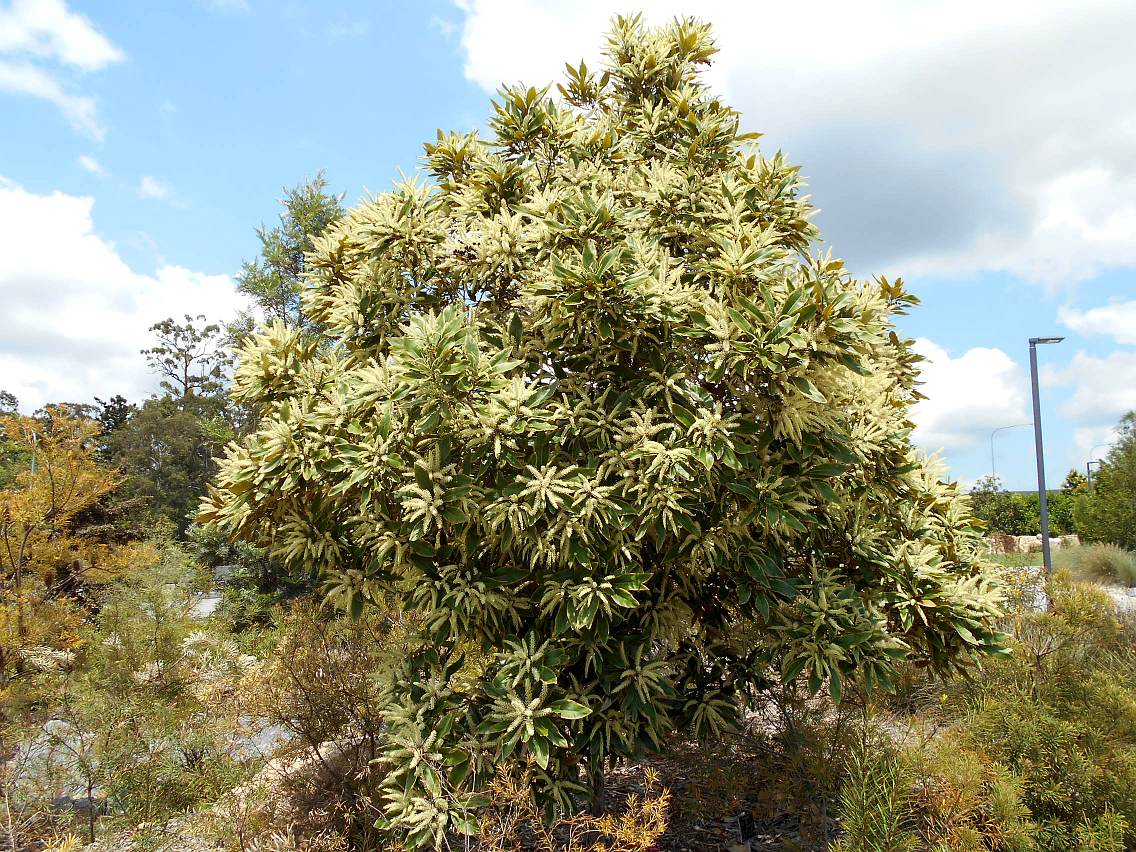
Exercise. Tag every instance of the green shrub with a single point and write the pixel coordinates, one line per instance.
(943, 794)
(1107, 562)
(142, 723)
(252, 585)
(963, 800)
(874, 806)
(589, 402)
(1061, 713)
(1104, 834)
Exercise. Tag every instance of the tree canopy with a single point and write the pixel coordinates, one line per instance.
(1109, 512)
(190, 357)
(590, 402)
(46, 563)
(274, 279)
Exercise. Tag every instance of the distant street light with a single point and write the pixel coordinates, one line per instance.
(992, 434)
(1089, 469)
(1089, 464)
(1043, 498)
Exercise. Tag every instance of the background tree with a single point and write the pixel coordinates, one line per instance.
(65, 411)
(191, 357)
(1019, 513)
(1075, 482)
(1000, 509)
(1109, 513)
(166, 445)
(596, 412)
(40, 557)
(114, 413)
(166, 451)
(13, 458)
(274, 280)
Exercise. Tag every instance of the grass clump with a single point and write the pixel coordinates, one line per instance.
(1101, 563)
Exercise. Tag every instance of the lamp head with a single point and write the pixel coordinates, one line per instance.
(1036, 340)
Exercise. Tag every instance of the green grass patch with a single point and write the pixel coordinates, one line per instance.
(1016, 560)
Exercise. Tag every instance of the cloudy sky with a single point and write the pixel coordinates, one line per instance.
(984, 151)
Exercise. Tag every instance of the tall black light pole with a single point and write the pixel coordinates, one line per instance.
(1046, 556)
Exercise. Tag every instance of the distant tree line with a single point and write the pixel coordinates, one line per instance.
(1104, 512)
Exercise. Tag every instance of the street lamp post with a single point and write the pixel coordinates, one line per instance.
(1089, 469)
(995, 432)
(1046, 556)
(1089, 464)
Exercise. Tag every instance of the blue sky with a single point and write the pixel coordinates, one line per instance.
(981, 150)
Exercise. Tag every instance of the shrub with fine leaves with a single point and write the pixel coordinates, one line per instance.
(589, 403)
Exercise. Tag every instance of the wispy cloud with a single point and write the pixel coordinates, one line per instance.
(47, 29)
(23, 78)
(151, 188)
(90, 164)
(228, 7)
(1103, 388)
(41, 38)
(349, 29)
(1116, 320)
(443, 25)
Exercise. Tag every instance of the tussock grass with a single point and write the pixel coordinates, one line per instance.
(1100, 562)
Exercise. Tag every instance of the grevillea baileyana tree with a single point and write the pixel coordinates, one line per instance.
(587, 401)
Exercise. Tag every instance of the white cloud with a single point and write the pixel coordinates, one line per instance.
(38, 32)
(90, 164)
(49, 30)
(155, 189)
(1093, 442)
(940, 138)
(22, 78)
(76, 314)
(1104, 389)
(967, 396)
(1116, 320)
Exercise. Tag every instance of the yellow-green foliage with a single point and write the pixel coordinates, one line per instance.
(964, 801)
(1059, 714)
(512, 822)
(942, 795)
(874, 806)
(588, 404)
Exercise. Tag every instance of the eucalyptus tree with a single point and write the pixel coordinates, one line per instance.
(191, 357)
(590, 402)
